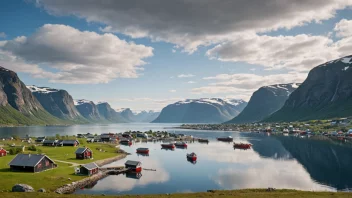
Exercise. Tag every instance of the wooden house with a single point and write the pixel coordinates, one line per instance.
(70, 142)
(84, 153)
(50, 142)
(31, 163)
(89, 169)
(134, 165)
(40, 139)
(3, 152)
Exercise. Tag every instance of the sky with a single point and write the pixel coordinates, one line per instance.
(145, 55)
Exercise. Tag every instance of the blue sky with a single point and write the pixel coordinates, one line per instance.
(224, 56)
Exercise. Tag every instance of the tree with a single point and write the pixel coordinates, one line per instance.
(57, 136)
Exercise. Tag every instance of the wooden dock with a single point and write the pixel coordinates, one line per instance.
(114, 170)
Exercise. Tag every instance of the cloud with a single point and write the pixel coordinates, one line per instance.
(189, 24)
(343, 28)
(244, 84)
(85, 58)
(185, 76)
(172, 91)
(2, 35)
(173, 51)
(191, 82)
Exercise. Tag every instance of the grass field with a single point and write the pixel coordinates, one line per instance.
(51, 179)
(257, 193)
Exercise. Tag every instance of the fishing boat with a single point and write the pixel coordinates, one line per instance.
(242, 145)
(203, 140)
(225, 139)
(192, 157)
(126, 142)
(143, 150)
(181, 144)
(168, 146)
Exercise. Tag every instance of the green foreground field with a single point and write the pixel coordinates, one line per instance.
(260, 193)
(51, 179)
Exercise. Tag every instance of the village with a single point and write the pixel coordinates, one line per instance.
(64, 163)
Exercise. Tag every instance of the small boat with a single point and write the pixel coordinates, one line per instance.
(203, 140)
(192, 157)
(168, 146)
(242, 146)
(225, 139)
(143, 150)
(126, 142)
(181, 144)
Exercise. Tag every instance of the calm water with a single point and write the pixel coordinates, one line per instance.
(274, 161)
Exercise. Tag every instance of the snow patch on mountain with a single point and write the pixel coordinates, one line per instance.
(34, 88)
(347, 60)
(212, 101)
(81, 101)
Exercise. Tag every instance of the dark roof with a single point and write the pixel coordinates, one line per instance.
(69, 141)
(105, 136)
(49, 141)
(40, 138)
(90, 166)
(80, 150)
(132, 163)
(30, 160)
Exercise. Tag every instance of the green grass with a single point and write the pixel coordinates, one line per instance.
(50, 179)
(249, 193)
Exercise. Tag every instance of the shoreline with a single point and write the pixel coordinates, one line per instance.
(73, 186)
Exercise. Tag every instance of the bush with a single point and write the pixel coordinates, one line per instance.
(32, 148)
(15, 151)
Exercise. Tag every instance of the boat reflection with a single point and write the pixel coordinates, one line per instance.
(192, 161)
(168, 149)
(134, 175)
(143, 154)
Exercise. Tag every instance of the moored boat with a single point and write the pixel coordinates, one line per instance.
(143, 150)
(169, 146)
(192, 156)
(242, 146)
(126, 142)
(181, 144)
(225, 139)
(203, 140)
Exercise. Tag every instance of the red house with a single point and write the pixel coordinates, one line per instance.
(84, 153)
(2, 152)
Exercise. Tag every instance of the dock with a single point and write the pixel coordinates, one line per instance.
(114, 170)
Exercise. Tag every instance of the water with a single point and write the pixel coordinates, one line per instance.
(274, 161)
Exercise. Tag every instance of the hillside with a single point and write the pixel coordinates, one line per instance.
(264, 102)
(325, 94)
(204, 110)
(143, 116)
(108, 113)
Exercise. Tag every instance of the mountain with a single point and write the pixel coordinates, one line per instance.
(57, 102)
(326, 93)
(18, 106)
(204, 110)
(88, 110)
(264, 102)
(143, 116)
(108, 113)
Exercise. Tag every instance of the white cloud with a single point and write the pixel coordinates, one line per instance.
(172, 91)
(243, 85)
(191, 82)
(173, 51)
(2, 35)
(343, 28)
(185, 76)
(86, 57)
(153, 18)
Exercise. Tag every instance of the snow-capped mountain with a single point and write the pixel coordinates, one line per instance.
(57, 102)
(141, 116)
(325, 94)
(264, 102)
(203, 110)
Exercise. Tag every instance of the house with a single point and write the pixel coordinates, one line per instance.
(142, 135)
(84, 153)
(89, 169)
(134, 165)
(105, 138)
(69, 142)
(3, 152)
(50, 142)
(40, 139)
(31, 163)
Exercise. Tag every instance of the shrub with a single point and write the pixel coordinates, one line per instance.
(32, 148)
(15, 151)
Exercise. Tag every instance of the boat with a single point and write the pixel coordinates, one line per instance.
(192, 157)
(143, 150)
(181, 144)
(225, 139)
(203, 140)
(168, 146)
(242, 145)
(126, 142)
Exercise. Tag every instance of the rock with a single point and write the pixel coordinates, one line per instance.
(69, 179)
(22, 188)
(42, 190)
(212, 191)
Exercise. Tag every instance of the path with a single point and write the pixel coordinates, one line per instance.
(73, 163)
